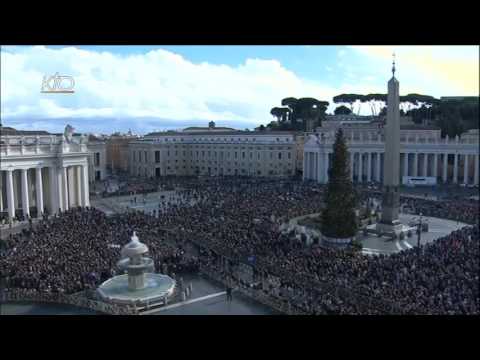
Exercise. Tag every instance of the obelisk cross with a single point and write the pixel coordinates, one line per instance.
(393, 64)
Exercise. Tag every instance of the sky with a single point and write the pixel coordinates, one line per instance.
(151, 88)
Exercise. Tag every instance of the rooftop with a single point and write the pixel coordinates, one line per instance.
(5, 130)
(234, 132)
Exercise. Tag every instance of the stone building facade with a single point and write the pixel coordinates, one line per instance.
(42, 172)
(422, 153)
(214, 153)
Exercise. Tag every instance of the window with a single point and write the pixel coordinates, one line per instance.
(279, 156)
(289, 156)
(236, 155)
(243, 154)
(97, 159)
(157, 157)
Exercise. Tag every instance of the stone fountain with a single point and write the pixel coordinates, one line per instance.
(140, 285)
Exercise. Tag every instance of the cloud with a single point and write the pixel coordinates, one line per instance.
(443, 69)
(160, 89)
(158, 84)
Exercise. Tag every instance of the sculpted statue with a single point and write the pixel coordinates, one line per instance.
(312, 138)
(68, 133)
(83, 139)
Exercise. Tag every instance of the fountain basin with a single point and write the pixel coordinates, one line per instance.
(157, 288)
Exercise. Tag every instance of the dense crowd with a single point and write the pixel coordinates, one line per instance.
(231, 225)
(463, 210)
(79, 249)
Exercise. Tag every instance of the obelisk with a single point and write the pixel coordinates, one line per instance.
(391, 174)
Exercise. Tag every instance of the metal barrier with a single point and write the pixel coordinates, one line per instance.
(22, 295)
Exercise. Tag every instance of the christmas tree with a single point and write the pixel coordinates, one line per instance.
(338, 217)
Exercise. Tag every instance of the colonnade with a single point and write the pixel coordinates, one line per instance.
(366, 166)
(44, 188)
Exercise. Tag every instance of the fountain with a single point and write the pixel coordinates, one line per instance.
(140, 285)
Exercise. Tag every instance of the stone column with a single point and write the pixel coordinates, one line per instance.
(415, 164)
(64, 188)
(351, 164)
(71, 186)
(85, 189)
(1, 191)
(405, 164)
(304, 168)
(78, 185)
(52, 177)
(455, 169)
(435, 165)
(10, 197)
(327, 166)
(445, 167)
(369, 166)
(56, 189)
(360, 167)
(425, 163)
(379, 165)
(465, 169)
(319, 169)
(475, 176)
(39, 191)
(25, 200)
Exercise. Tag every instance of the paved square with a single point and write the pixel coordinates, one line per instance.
(437, 228)
(215, 304)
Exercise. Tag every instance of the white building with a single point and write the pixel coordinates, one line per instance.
(214, 153)
(40, 171)
(423, 153)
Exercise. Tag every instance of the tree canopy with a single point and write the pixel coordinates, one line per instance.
(342, 110)
(298, 114)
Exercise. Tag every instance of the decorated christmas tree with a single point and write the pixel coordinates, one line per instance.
(338, 217)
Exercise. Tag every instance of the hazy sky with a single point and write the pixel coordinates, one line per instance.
(146, 88)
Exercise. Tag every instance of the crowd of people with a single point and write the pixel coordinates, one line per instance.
(232, 223)
(79, 249)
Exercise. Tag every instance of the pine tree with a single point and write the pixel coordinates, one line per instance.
(338, 217)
